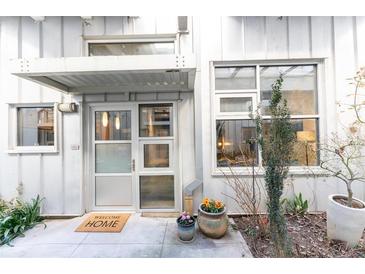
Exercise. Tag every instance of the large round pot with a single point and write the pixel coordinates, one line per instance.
(185, 232)
(213, 225)
(345, 223)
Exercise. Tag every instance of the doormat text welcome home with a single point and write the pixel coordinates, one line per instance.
(104, 222)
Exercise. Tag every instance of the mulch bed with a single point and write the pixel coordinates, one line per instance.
(308, 236)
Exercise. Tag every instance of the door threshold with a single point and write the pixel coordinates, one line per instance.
(161, 214)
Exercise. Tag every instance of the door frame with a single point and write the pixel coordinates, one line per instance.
(89, 157)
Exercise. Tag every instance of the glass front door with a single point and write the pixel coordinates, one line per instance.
(113, 160)
(134, 157)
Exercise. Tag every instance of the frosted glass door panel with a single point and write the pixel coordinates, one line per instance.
(113, 158)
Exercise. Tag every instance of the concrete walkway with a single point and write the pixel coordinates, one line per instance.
(141, 237)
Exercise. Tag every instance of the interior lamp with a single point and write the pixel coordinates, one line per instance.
(117, 123)
(105, 119)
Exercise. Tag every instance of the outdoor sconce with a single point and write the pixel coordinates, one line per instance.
(67, 107)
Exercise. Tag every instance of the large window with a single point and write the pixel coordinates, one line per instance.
(237, 93)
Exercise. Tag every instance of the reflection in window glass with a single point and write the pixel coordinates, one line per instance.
(299, 87)
(156, 155)
(236, 104)
(113, 158)
(113, 125)
(145, 48)
(305, 148)
(155, 120)
(235, 145)
(157, 191)
(230, 78)
(35, 126)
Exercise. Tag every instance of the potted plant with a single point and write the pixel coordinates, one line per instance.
(186, 227)
(212, 218)
(343, 159)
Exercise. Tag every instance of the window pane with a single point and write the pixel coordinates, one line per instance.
(113, 158)
(299, 87)
(305, 148)
(35, 126)
(156, 155)
(157, 191)
(233, 143)
(236, 104)
(146, 48)
(227, 78)
(155, 120)
(112, 125)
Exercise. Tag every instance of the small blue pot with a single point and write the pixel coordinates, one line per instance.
(186, 232)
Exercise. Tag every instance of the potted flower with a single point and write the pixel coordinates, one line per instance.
(212, 218)
(343, 159)
(186, 227)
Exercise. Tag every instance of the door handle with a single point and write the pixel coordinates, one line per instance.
(133, 165)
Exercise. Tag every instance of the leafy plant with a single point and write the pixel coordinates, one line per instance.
(18, 218)
(3, 206)
(277, 149)
(185, 219)
(212, 206)
(296, 206)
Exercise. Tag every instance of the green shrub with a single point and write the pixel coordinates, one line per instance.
(19, 217)
(296, 206)
(277, 150)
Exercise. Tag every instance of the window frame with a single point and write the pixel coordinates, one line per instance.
(13, 147)
(216, 115)
(103, 39)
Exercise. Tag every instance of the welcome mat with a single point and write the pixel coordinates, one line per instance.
(104, 222)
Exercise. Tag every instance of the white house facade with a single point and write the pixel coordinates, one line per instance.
(146, 114)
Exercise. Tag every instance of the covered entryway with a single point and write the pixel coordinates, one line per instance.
(131, 154)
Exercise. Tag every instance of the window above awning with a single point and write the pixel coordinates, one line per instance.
(110, 74)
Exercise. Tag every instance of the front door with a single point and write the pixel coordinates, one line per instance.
(113, 186)
(134, 157)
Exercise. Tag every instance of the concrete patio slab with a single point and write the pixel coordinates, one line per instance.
(141, 237)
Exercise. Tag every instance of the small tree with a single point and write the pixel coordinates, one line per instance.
(277, 149)
(343, 158)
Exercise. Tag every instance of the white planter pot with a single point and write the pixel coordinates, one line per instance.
(345, 223)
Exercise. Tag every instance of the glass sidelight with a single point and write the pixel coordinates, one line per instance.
(157, 191)
(155, 120)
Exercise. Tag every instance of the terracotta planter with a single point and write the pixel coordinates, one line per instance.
(213, 225)
(345, 223)
(185, 232)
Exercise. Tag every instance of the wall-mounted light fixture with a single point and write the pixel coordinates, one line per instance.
(67, 107)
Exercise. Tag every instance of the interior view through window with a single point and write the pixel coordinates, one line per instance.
(35, 126)
(131, 48)
(236, 89)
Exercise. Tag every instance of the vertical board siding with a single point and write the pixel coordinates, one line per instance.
(299, 37)
(255, 37)
(339, 40)
(9, 89)
(96, 26)
(72, 35)
(277, 37)
(114, 25)
(232, 38)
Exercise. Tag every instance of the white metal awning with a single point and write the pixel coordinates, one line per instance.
(110, 74)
